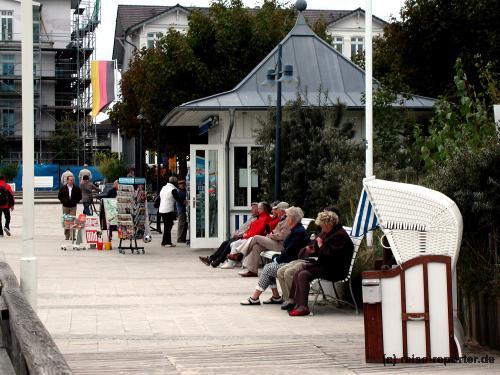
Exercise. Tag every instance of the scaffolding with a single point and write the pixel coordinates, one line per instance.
(85, 19)
(61, 77)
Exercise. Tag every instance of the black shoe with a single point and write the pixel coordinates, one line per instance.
(205, 260)
(7, 231)
(288, 306)
(215, 263)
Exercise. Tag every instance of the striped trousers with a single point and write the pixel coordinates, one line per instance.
(268, 276)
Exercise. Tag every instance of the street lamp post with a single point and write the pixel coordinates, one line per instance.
(282, 73)
(277, 149)
(139, 166)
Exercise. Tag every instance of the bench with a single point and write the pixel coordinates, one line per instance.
(268, 255)
(43, 182)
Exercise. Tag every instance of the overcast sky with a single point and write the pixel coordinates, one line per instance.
(106, 30)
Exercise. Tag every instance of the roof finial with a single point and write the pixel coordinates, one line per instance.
(301, 5)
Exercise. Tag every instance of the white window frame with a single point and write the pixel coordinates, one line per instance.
(249, 175)
(338, 41)
(6, 15)
(358, 42)
(152, 37)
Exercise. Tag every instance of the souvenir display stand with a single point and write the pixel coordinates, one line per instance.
(132, 214)
(410, 310)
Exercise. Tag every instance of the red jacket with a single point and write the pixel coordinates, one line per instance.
(258, 227)
(9, 189)
(273, 222)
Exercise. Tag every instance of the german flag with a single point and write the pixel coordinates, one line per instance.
(102, 74)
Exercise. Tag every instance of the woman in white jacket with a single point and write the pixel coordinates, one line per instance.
(168, 197)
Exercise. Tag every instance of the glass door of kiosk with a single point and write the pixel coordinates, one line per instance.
(206, 196)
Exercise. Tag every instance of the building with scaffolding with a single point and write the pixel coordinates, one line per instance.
(64, 45)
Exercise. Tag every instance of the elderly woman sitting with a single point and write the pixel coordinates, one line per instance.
(334, 248)
(291, 246)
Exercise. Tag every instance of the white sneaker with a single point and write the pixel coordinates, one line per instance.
(228, 264)
(168, 245)
(243, 271)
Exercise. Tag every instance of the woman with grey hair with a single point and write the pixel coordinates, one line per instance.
(291, 246)
(333, 248)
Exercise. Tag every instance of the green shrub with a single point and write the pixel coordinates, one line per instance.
(111, 166)
(471, 178)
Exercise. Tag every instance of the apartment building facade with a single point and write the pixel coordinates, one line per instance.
(64, 42)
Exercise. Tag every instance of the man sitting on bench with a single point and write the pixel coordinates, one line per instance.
(219, 256)
(273, 241)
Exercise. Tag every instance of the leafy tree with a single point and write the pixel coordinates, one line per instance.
(65, 143)
(321, 165)
(471, 178)
(467, 125)
(9, 171)
(111, 166)
(396, 156)
(219, 49)
(421, 49)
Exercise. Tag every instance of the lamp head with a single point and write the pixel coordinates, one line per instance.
(287, 74)
(270, 78)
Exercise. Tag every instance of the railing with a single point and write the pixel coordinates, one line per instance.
(23, 336)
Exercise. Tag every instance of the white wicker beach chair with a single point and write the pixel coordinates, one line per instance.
(416, 220)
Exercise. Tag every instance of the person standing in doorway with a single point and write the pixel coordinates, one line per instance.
(87, 199)
(69, 196)
(181, 211)
(6, 205)
(169, 196)
(85, 172)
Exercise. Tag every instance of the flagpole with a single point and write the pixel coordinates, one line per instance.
(28, 260)
(369, 101)
(368, 90)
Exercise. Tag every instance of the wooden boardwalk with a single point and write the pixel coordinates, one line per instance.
(279, 358)
(166, 313)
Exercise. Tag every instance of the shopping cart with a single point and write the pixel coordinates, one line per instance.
(74, 224)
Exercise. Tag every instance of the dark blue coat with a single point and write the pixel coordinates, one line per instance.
(295, 241)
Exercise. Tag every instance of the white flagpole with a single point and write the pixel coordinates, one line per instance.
(28, 261)
(369, 100)
(368, 89)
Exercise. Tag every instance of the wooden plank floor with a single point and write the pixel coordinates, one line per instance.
(281, 358)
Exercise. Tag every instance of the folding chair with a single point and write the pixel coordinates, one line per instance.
(364, 221)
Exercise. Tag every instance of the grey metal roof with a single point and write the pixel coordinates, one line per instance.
(321, 70)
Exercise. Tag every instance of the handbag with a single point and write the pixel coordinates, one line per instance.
(156, 202)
